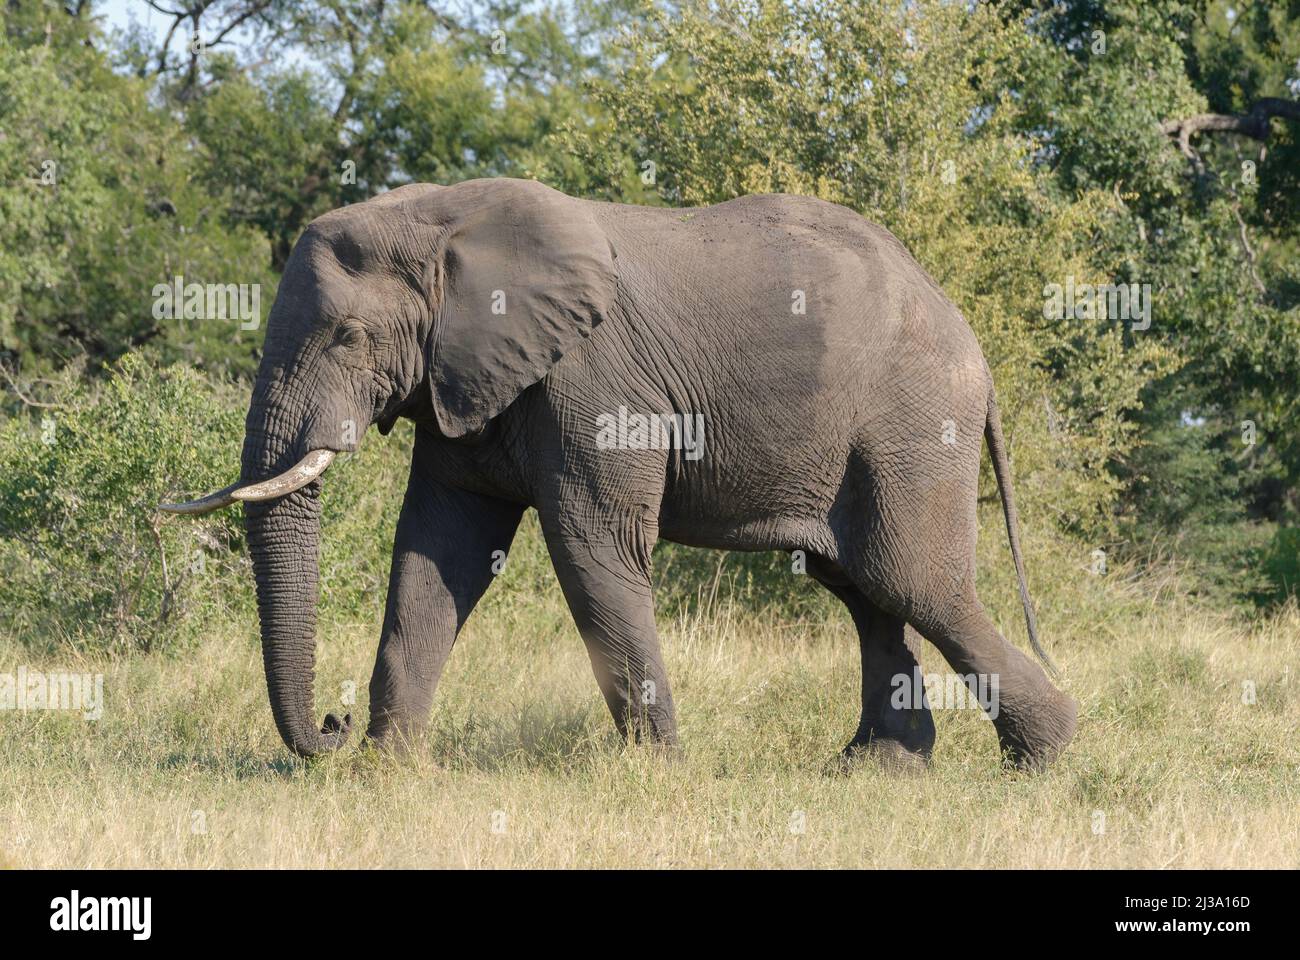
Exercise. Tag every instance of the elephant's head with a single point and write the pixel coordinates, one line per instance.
(441, 304)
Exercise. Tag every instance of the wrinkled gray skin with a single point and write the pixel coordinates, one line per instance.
(824, 432)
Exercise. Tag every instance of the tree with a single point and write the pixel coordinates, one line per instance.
(1187, 113)
(100, 206)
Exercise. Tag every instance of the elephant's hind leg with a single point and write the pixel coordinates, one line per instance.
(896, 726)
(935, 593)
(913, 556)
(1033, 719)
(604, 571)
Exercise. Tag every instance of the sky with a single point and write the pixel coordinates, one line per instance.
(119, 12)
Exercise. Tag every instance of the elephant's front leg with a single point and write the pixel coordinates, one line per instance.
(604, 570)
(896, 724)
(444, 557)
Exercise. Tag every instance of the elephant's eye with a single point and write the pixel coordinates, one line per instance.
(350, 334)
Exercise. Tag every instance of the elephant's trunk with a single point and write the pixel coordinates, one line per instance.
(284, 542)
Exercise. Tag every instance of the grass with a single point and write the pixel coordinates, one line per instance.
(521, 767)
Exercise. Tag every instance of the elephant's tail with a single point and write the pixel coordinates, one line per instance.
(1002, 470)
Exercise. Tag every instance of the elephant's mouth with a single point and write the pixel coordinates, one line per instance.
(295, 478)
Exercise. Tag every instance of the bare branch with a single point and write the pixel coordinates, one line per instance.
(253, 10)
(17, 391)
(1254, 124)
(167, 42)
(170, 13)
(1250, 251)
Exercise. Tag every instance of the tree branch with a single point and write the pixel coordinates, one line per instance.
(20, 395)
(1250, 251)
(1254, 124)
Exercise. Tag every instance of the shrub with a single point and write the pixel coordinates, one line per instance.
(87, 561)
(1282, 564)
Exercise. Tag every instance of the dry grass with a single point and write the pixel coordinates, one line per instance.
(522, 768)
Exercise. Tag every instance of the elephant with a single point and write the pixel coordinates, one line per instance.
(770, 373)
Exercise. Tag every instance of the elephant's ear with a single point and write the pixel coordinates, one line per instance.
(523, 275)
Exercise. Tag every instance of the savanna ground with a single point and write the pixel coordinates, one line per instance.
(1170, 768)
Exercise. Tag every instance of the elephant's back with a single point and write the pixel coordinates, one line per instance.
(774, 275)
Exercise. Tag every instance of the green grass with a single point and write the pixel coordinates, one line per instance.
(521, 766)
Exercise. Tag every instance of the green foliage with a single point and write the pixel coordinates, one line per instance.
(260, 142)
(85, 559)
(96, 207)
(690, 581)
(1219, 247)
(1238, 52)
(120, 177)
(1282, 564)
(392, 93)
(361, 497)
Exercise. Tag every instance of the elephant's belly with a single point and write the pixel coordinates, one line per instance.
(739, 530)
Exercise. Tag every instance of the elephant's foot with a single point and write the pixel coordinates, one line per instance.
(393, 737)
(652, 726)
(1033, 730)
(898, 737)
(385, 745)
(899, 740)
(890, 754)
(669, 754)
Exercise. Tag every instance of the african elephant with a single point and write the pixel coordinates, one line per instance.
(770, 373)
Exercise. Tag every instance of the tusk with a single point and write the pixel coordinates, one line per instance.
(213, 501)
(295, 478)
